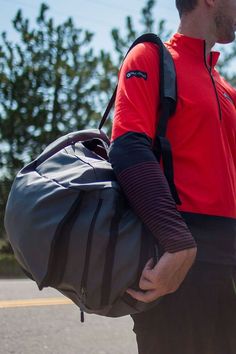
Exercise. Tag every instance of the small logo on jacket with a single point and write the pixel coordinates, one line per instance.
(136, 73)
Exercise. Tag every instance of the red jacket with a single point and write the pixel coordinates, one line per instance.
(202, 132)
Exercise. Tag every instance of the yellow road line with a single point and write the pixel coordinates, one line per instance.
(35, 302)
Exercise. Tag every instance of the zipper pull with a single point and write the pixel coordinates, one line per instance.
(83, 300)
(81, 316)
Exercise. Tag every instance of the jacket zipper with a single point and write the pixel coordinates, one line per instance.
(212, 80)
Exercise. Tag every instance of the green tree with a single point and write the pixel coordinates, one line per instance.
(47, 85)
(148, 24)
(226, 64)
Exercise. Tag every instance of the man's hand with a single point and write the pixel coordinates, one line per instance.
(165, 277)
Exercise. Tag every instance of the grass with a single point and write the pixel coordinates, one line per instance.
(2, 243)
(9, 267)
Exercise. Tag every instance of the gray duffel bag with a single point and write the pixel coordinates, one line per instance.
(72, 229)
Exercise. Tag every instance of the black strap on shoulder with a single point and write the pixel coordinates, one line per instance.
(167, 78)
(108, 109)
(168, 101)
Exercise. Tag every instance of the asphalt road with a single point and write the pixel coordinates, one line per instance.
(42, 327)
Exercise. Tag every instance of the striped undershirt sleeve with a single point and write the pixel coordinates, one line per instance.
(147, 191)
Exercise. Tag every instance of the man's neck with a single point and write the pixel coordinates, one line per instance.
(193, 26)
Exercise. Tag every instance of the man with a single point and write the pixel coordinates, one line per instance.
(197, 313)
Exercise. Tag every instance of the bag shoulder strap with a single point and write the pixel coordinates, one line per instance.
(168, 96)
(168, 102)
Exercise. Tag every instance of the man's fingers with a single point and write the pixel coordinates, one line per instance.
(147, 272)
(148, 268)
(149, 265)
(147, 296)
(146, 284)
(165, 277)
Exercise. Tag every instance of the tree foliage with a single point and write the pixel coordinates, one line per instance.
(226, 64)
(47, 84)
(148, 24)
(47, 88)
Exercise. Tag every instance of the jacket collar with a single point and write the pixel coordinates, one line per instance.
(193, 46)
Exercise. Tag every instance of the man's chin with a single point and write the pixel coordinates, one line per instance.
(228, 40)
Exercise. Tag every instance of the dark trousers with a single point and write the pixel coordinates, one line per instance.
(199, 318)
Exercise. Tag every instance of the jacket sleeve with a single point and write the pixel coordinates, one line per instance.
(131, 156)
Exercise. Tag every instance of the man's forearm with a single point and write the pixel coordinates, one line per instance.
(147, 190)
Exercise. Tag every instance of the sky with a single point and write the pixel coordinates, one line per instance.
(98, 16)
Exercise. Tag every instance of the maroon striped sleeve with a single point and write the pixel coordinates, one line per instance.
(148, 193)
